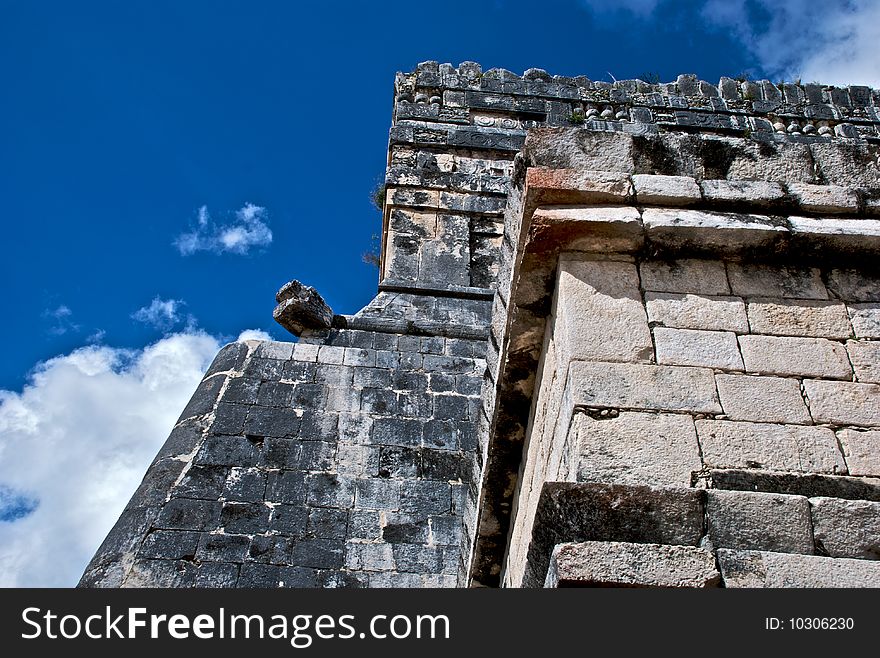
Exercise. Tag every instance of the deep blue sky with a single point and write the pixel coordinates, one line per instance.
(120, 119)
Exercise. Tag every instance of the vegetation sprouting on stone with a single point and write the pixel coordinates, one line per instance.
(378, 197)
(372, 257)
(577, 118)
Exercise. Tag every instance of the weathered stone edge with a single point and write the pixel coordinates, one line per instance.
(115, 557)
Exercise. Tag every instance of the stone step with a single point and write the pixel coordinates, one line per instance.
(624, 564)
(764, 569)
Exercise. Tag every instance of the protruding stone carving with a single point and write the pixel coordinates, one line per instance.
(300, 307)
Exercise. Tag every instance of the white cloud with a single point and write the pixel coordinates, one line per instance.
(163, 314)
(61, 320)
(160, 314)
(254, 334)
(832, 42)
(75, 443)
(248, 230)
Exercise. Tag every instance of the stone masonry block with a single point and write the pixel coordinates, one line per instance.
(223, 548)
(425, 497)
(369, 556)
(865, 319)
(270, 349)
(583, 186)
(405, 528)
(754, 280)
(709, 312)
(305, 352)
(861, 449)
(636, 448)
(623, 564)
(414, 558)
(798, 317)
(599, 311)
(691, 347)
(270, 394)
(591, 228)
(185, 514)
(288, 520)
(228, 450)
(318, 553)
(837, 234)
(330, 490)
(635, 386)
(666, 190)
(865, 358)
(797, 484)
(245, 484)
(689, 275)
(751, 520)
(717, 232)
(824, 198)
(764, 569)
(245, 518)
(577, 512)
(170, 545)
(854, 285)
(270, 549)
(398, 462)
(327, 523)
(229, 418)
(847, 528)
(805, 357)
(272, 421)
(243, 390)
(762, 399)
(805, 449)
(365, 524)
(397, 432)
(844, 403)
(161, 573)
(216, 575)
(202, 482)
(378, 494)
(331, 354)
(760, 193)
(230, 358)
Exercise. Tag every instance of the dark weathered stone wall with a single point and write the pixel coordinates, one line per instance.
(338, 462)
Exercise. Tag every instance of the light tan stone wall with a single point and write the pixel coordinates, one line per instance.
(654, 372)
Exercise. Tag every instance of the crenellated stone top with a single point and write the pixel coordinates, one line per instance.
(498, 98)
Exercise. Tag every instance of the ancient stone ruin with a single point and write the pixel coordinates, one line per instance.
(625, 334)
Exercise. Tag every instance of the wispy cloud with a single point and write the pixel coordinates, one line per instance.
(161, 314)
(75, 443)
(96, 337)
(833, 42)
(60, 318)
(249, 229)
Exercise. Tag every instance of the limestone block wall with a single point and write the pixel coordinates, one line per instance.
(662, 373)
(660, 331)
